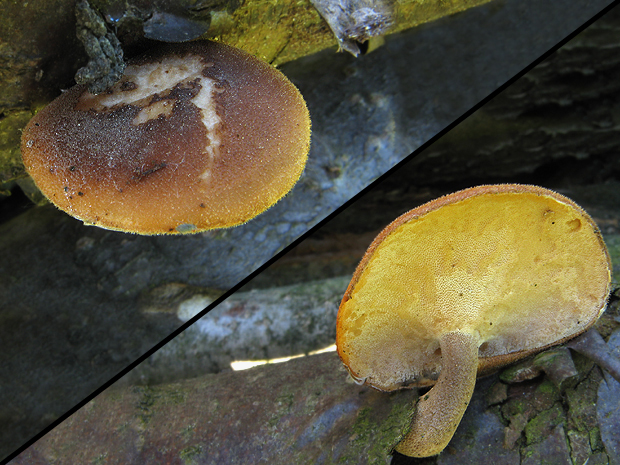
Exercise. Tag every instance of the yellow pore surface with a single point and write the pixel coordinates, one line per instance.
(522, 270)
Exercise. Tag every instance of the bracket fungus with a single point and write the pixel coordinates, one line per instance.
(194, 136)
(463, 285)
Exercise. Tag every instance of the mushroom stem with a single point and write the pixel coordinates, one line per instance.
(440, 410)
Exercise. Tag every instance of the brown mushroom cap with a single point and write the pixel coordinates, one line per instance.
(195, 136)
(511, 269)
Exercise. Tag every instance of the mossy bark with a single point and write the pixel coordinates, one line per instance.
(304, 411)
(282, 31)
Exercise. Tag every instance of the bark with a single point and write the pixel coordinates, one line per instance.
(252, 325)
(75, 298)
(42, 54)
(300, 412)
(283, 31)
(511, 133)
(308, 411)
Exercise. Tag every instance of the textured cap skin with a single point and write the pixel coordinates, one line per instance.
(195, 136)
(521, 267)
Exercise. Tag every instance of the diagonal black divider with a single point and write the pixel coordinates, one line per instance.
(296, 242)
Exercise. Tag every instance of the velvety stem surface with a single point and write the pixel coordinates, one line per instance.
(440, 410)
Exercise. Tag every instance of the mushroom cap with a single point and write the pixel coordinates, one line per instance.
(521, 267)
(195, 136)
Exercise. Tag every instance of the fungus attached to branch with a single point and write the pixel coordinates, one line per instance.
(194, 136)
(464, 285)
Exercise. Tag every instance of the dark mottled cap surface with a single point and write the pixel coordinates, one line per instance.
(195, 136)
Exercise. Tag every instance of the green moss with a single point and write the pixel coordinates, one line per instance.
(361, 422)
(188, 454)
(582, 402)
(284, 402)
(11, 125)
(399, 422)
(596, 442)
(145, 403)
(613, 246)
(173, 396)
(99, 459)
(150, 397)
(547, 388)
(514, 407)
(187, 433)
(374, 435)
(542, 424)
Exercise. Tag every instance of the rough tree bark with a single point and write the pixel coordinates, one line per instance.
(308, 411)
(299, 412)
